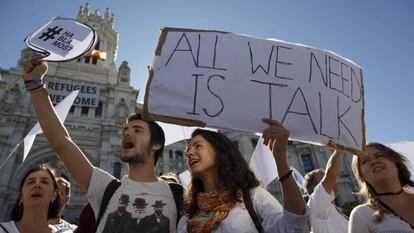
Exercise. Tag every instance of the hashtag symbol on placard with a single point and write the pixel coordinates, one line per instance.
(50, 34)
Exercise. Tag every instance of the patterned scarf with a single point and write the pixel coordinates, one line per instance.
(213, 209)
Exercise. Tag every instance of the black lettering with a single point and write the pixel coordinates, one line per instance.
(68, 34)
(86, 101)
(77, 100)
(50, 85)
(343, 79)
(306, 113)
(340, 122)
(218, 97)
(214, 55)
(188, 49)
(195, 94)
(359, 90)
(321, 118)
(281, 62)
(269, 92)
(324, 78)
(254, 70)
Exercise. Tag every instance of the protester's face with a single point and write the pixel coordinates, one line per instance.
(38, 190)
(64, 196)
(135, 142)
(201, 157)
(375, 165)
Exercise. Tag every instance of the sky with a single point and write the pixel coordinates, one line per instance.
(378, 35)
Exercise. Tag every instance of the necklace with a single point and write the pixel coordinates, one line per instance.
(389, 193)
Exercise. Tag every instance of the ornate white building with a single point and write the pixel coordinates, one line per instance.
(95, 122)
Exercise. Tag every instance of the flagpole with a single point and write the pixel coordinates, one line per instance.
(11, 153)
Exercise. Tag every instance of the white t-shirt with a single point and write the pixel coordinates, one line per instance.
(361, 221)
(325, 218)
(10, 227)
(268, 209)
(146, 195)
(65, 227)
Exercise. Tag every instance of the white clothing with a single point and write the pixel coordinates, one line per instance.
(130, 191)
(361, 221)
(272, 215)
(325, 218)
(10, 227)
(65, 227)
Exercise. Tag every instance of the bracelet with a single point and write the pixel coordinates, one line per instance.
(27, 83)
(36, 89)
(32, 81)
(285, 176)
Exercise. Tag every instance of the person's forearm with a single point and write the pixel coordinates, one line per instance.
(333, 168)
(292, 197)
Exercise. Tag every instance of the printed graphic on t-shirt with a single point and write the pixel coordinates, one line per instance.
(139, 213)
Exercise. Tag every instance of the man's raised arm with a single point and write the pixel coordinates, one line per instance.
(69, 153)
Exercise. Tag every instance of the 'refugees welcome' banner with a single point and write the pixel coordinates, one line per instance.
(230, 81)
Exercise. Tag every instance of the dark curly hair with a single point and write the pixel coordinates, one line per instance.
(232, 169)
(17, 211)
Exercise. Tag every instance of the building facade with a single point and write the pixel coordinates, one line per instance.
(95, 121)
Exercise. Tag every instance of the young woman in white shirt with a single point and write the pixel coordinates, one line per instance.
(220, 177)
(385, 180)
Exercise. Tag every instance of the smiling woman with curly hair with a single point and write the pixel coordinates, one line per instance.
(223, 189)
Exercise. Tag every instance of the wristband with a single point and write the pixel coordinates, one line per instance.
(285, 176)
(36, 89)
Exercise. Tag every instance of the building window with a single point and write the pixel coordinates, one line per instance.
(117, 170)
(178, 154)
(85, 111)
(171, 154)
(307, 163)
(98, 110)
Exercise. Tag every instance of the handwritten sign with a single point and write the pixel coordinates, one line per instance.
(230, 81)
(62, 39)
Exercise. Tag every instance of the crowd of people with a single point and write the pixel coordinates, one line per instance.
(224, 194)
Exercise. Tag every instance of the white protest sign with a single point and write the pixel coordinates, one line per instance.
(62, 39)
(62, 110)
(263, 164)
(185, 178)
(230, 81)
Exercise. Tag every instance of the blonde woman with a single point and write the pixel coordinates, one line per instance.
(385, 180)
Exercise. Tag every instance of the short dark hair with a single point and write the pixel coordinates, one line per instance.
(310, 181)
(17, 211)
(157, 134)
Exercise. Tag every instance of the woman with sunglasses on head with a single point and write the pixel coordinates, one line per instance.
(385, 180)
(222, 184)
(38, 201)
